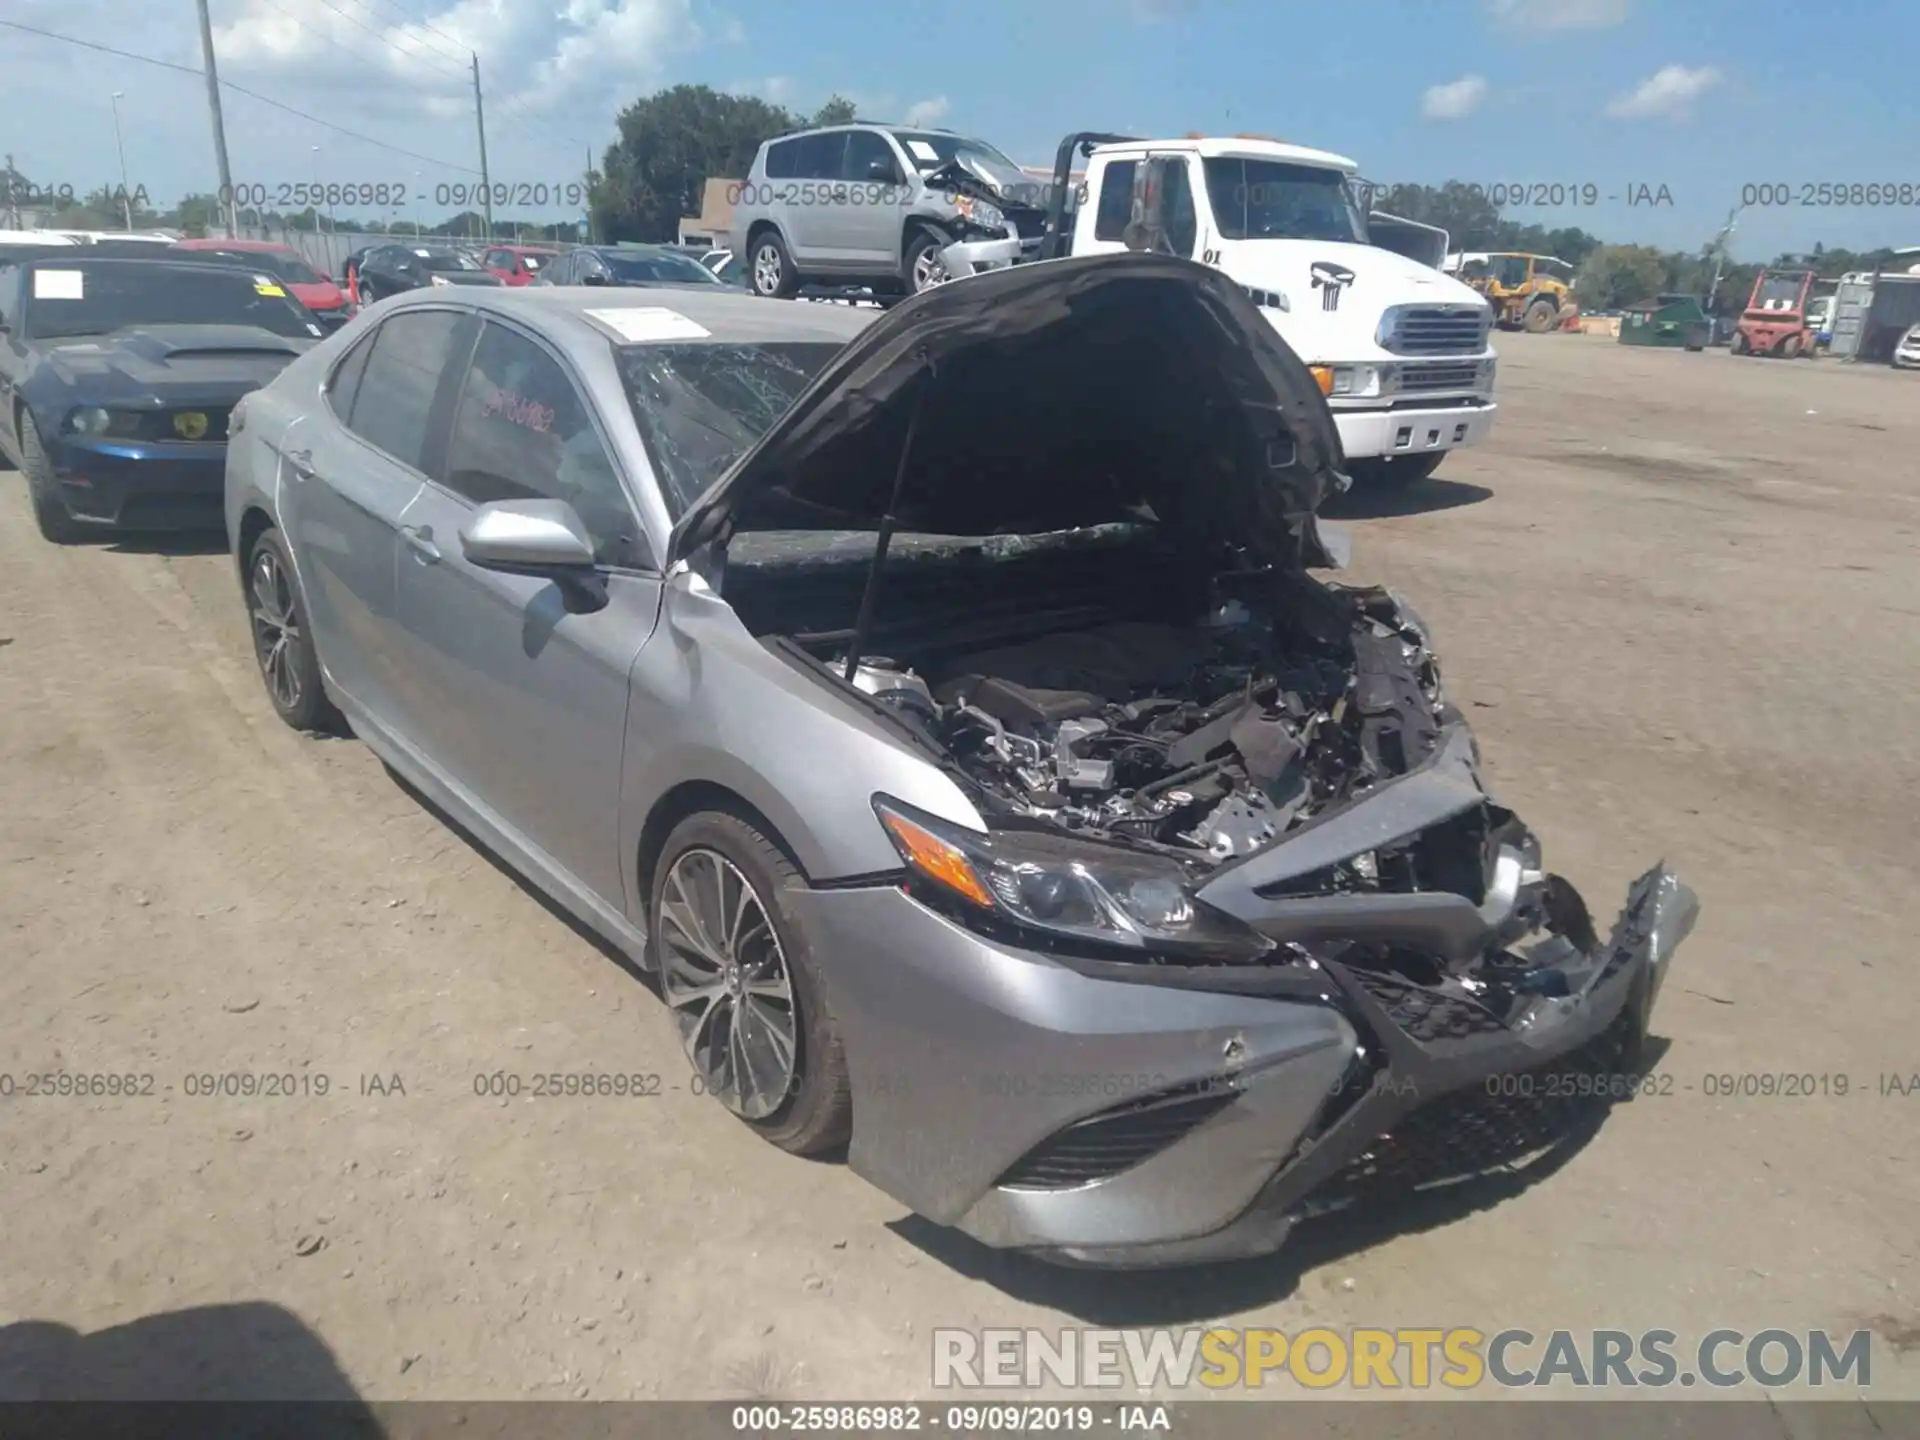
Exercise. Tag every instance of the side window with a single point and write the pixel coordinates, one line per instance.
(1176, 208)
(522, 432)
(345, 383)
(780, 158)
(498, 260)
(870, 158)
(9, 283)
(1116, 201)
(559, 271)
(820, 156)
(394, 404)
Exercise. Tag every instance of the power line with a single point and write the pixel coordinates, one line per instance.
(337, 43)
(408, 54)
(460, 50)
(239, 90)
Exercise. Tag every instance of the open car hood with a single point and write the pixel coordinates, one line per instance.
(1058, 395)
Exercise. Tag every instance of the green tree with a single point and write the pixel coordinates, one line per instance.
(1613, 276)
(837, 111)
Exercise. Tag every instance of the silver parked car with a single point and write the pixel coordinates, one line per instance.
(874, 205)
(1906, 354)
(941, 704)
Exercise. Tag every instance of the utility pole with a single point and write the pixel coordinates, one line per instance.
(126, 192)
(13, 210)
(587, 209)
(1720, 253)
(219, 125)
(480, 122)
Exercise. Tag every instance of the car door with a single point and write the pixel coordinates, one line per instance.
(526, 677)
(862, 222)
(13, 350)
(350, 472)
(809, 199)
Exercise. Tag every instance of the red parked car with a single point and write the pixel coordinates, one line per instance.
(327, 301)
(519, 264)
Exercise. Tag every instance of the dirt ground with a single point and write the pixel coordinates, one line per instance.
(1676, 594)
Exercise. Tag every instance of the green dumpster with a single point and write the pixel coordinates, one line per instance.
(1672, 321)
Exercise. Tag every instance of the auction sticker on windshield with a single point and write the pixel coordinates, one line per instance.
(264, 285)
(650, 322)
(922, 150)
(59, 284)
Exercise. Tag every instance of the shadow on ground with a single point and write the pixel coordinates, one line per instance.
(1432, 494)
(251, 1352)
(165, 542)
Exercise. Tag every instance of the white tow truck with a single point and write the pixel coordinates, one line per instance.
(1400, 349)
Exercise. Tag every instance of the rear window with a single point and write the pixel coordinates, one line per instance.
(284, 267)
(657, 267)
(446, 260)
(701, 406)
(64, 300)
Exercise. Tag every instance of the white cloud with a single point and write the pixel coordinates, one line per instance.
(775, 89)
(1667, 94)
(1560, 14)
(927, 112)
(1454, 101)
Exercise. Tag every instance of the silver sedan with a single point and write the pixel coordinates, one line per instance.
(942, 704)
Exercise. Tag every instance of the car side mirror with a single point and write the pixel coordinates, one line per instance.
(593, 278)
(528, 537)
(884, 171)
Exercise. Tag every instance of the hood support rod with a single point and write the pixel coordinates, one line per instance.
(870, 597)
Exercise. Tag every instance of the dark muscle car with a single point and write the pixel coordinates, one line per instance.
(117, 377)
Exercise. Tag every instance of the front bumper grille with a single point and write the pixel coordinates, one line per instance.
(1104, 1145)
(1504, 1119)
(1435, 329)
(1416, 378)
(1427, 1014)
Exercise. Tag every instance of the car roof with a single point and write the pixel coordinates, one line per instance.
(1231, 147)
(212, 243)
(729, 316)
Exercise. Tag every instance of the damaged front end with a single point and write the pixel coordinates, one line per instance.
(1054, 530)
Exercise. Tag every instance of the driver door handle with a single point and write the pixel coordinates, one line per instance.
(420, 538)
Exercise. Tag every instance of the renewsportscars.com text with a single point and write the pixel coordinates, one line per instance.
(1363, 1358)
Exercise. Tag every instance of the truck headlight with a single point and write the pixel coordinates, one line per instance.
(1487, 368)
(1365, 381)
(1063, 888)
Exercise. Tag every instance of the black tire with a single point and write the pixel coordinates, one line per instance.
(291, 675)
(1740, 345)
(768, 260)
(1394, 472)
(816, 1114)
(1541, 316)
(50, 512)
(921, 244)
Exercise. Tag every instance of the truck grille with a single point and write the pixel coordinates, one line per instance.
(1439, 377)
(1435, 329)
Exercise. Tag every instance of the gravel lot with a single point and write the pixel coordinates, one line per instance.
(1677, 597)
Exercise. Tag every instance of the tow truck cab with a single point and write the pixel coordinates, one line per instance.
(1400, 349)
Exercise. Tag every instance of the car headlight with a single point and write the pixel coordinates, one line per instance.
(979, 212)
(1068, 889)
(90, 420)
(441, 280)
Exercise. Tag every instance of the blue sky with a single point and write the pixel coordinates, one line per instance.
(1703, 97)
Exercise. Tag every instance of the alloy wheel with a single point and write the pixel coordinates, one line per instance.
(724, 976)
(766, 270)
(276, 629)
(929, 270)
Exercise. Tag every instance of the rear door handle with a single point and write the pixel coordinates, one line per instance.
(420, 538)
(301, 462)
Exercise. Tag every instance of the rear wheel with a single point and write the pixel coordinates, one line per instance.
(1394, 472)
(770, 268)
(1542, 316)
(1790, 347)
(1740, 345)
(50, 513)
(739, 976)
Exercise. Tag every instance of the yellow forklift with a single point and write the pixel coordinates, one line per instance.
(1527, 292)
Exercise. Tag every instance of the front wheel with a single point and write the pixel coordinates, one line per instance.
(1541, 317)
(283, 641)
(1394, 472)
(925, 266)
(740, 978)
(50, 512)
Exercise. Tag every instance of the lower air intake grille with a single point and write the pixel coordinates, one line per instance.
(1427, 1014)
(1103, 1145)
(1505, 1119)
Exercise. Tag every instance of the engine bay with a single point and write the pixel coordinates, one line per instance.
(1212, 740)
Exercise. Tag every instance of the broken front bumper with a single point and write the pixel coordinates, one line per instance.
(971, 257)
(1139, 1114)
